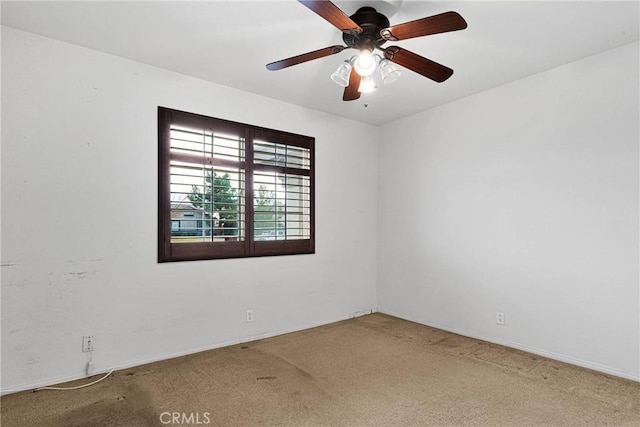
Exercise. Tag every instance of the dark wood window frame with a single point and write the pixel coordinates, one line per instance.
(248, 246)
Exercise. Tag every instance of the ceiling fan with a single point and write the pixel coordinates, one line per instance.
(367, 30)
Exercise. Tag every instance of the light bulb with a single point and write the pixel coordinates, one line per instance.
(367, 84)
(341, 75)
(365, 65)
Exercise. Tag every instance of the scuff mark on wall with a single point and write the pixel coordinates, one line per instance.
(9, 264)
(79, 275)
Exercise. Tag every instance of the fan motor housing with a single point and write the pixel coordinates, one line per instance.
(371, 22)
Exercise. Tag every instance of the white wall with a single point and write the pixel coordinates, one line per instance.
(524, 200)
(79, 209)
(521, 199)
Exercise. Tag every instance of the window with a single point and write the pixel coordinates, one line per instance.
(229, 190)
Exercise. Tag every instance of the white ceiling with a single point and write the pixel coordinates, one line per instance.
(229, 42)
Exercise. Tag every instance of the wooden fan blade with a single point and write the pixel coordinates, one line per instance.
(417, 63)
(332, 14)
(436, 24)
(351, 92)
(295, 60)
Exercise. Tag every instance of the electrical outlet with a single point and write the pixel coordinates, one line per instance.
(87, 343)
(499, 318)
(249, 316)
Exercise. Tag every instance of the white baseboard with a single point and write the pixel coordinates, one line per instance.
(156, 358)
(634, 376)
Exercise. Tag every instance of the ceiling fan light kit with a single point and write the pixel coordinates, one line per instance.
(367, 30)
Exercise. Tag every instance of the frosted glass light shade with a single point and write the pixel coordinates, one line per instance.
(341, 75)
(367, 84)
(389, 72)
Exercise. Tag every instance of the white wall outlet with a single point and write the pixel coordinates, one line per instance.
(249, 316)
(87, 343)
(499, 318)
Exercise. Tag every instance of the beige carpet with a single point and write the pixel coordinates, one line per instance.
(372, 371)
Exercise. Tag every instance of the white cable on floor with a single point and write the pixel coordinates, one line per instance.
(76, 387)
